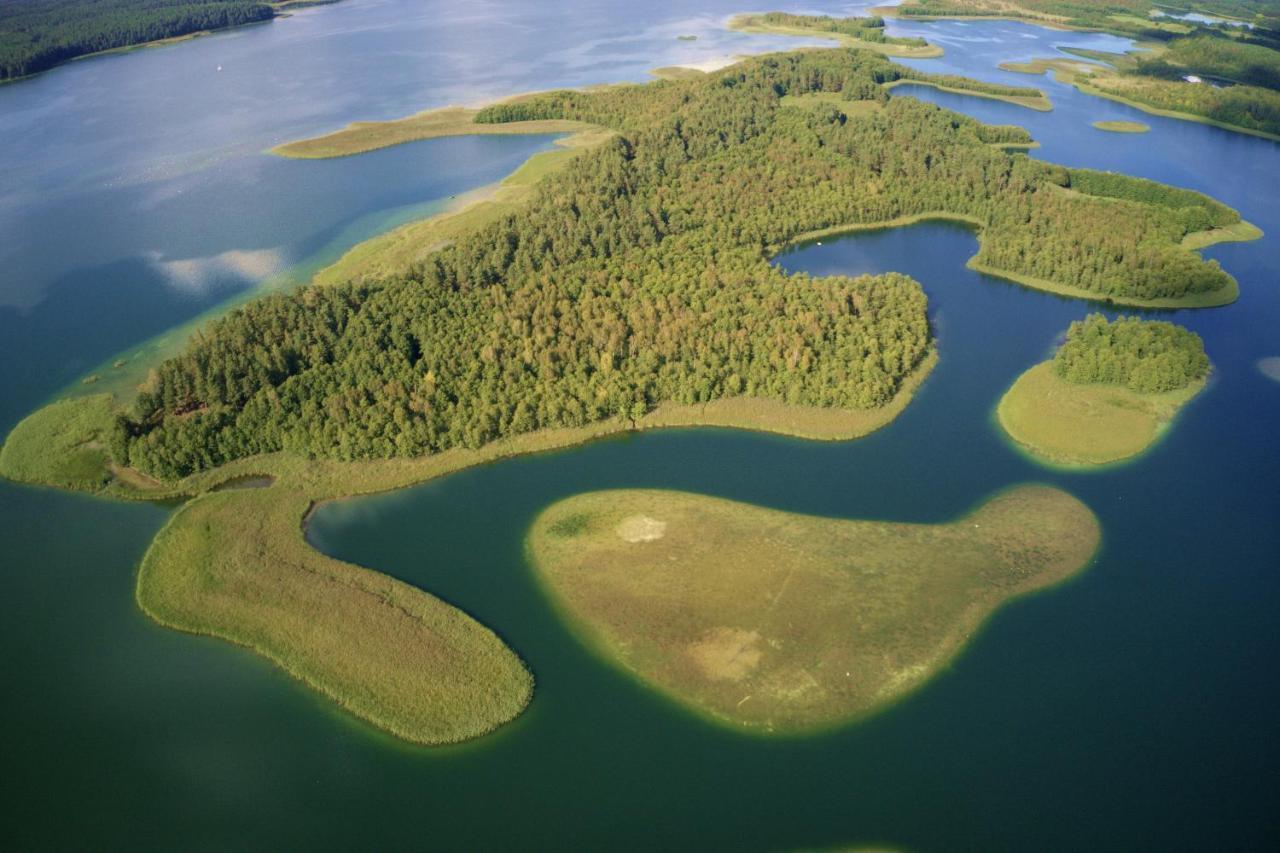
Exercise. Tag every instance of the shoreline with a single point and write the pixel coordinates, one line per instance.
(890, 696)
(1069, 71)
(279, 11)
(1163, 409)
(749, 22)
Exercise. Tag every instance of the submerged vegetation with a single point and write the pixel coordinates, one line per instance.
(780, 622)
(1108, 393)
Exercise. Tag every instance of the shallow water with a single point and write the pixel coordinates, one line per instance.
(1129, 709)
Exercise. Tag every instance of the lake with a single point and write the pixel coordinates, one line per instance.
(1129, 709)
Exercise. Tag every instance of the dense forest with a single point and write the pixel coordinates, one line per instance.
(1146, 356)
(1250, 107)
(641, 274)
(1218, 57)
(38, 34)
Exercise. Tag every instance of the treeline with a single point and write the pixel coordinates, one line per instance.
(1147, 356)
(869, 28)
(1219, 57)
(37, 34)
(641, 274)
(1250, 107)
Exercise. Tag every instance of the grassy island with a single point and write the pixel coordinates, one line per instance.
(777, 622)
(630, 287)
(1109, 392)
(1122, 126)
(863, 32)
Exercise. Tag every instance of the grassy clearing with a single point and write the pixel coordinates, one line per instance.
(1039, 104)
(233, 562)
(361, 136)
(754, 24)
(1070, 424)
(1122, 126)
(776, 622)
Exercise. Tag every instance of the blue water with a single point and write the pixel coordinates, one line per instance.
(1130, 709)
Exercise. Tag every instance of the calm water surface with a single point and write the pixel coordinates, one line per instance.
(1129, 709)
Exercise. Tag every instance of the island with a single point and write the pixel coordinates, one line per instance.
(860, 31)
(1122, 126)
(775, 622)
(1110, 391)
(629, 287)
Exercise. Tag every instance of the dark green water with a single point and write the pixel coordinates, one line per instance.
(1130, 709)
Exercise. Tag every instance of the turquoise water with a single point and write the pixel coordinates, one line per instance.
(1129, 709)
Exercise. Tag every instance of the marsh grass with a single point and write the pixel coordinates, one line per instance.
(1122, 126)
(361, 136)
(1072, 424)
(777, 622)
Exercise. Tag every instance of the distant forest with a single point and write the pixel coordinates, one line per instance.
(641, 275)
(38, 34)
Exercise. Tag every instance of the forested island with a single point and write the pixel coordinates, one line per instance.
(631, 287)
(1108, 393)
(36, 35)
(776, 622)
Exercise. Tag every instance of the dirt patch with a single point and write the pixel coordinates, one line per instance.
(641, 528)
(727, 654)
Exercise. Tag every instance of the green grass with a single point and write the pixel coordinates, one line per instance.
(1122, 126)
(361, 136)
(61, 445)
(775, 622)
(1070, 424)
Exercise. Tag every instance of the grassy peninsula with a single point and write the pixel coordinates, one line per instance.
(630, 288)
(776, 622)
(1109, 392)
(361, 136)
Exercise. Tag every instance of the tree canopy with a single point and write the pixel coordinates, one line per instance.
(1147, 356)
(641, 274)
